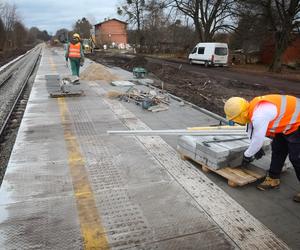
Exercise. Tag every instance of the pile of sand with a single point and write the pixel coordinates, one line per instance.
(96, 71)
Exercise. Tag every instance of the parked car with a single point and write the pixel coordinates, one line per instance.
(213, 54)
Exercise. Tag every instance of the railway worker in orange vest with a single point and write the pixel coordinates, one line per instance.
(75, 54)
(274, 116)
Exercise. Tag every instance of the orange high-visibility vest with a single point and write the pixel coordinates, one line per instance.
(288, 113)
(74, 50)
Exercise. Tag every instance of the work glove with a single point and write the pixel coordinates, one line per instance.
(259, 154)
(246, 161)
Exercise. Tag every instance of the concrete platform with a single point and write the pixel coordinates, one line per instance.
(69, 185)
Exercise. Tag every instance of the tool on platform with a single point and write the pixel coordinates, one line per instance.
(194, 131)
(206, 143)
(66, 86)
(139, 72)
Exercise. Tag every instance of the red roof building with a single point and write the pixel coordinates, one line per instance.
(111, 31)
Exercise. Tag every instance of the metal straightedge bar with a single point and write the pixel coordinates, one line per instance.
(177, 132)
(206, 143)
(217, 128)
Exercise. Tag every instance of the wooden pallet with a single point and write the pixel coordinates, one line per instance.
(236, 177)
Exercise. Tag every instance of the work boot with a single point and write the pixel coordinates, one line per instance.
(269, 183)
(297, 197)
(74, 79)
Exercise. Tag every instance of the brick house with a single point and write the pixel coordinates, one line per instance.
(290, 56)
(111, 31)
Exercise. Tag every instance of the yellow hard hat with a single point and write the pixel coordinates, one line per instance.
(76, 35)
(234, 108)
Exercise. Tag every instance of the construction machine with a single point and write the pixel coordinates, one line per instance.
(88, 45)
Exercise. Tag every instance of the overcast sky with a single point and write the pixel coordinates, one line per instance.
(52, 15)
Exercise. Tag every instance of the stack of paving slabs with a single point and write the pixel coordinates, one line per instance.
(217, 152)
(122, 83)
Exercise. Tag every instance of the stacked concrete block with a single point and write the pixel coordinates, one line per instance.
(217, 155)
(186, 146)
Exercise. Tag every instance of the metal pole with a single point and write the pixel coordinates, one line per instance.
(176, 132)
(217, 128)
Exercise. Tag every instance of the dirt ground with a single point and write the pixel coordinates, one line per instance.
(286, 73)
(203, 89)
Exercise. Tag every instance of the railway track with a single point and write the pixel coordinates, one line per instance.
(6, 78)
(15, 87)
(18, 74)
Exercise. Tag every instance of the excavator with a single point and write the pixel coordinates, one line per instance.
(88, 45)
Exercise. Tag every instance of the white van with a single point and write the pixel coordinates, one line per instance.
(214, 54)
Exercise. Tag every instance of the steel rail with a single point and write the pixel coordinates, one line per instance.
(5, 67)
(6, 78)
(20, 92)
(8, 66)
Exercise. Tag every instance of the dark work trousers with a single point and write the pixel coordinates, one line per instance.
(282, 146)
(75, 66)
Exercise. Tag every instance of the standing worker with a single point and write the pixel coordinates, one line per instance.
(75, 54)
(274, 116)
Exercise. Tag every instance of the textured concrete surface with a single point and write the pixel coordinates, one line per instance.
(69, 185)
(273, 208)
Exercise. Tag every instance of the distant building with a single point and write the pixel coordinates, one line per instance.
(111, 32)
(290, 56)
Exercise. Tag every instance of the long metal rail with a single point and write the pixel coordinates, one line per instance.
(176, 132)
(5, 69)
(6, 78)
(199, 131)
(2, 128)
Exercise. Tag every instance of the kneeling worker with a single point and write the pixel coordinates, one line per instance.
(275, 116)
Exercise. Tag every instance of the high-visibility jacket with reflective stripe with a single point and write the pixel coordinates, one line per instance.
(288, 110)
(74, 50)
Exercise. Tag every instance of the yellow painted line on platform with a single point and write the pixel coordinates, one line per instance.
(52, 64)
(92, 231)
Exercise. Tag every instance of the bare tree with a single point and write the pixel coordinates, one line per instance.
(3, 35)
(83, 28)
(19, 34)
(13, 33)
(164, 30)
(9, 16)
(134, 11)
(209, 16)
(282, 20)
(62, 35)
(251, 29)
(154, 25)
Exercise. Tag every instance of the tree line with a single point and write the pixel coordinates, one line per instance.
(13, 33)
(81, 26)
(245, 24)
